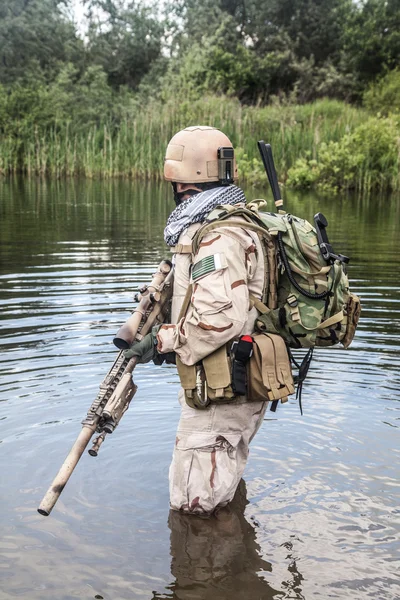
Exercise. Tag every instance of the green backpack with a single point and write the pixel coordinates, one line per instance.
(306, 297)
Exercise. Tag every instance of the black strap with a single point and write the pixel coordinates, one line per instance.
(303, 368)
(242, 350)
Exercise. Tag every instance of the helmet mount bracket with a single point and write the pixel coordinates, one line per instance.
(225, 164)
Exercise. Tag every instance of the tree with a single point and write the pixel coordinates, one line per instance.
(125, 38)
(35, 37)
(373, 39)
(316, 27)
(258, 48)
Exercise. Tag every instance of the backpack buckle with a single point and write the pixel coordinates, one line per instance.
(216, 214)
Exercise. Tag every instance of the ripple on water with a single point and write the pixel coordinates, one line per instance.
(323, 518)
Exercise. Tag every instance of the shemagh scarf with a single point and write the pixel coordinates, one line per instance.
(197, 207)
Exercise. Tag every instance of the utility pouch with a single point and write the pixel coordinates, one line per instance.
(208, 381)
(353, 311)
(270, 373)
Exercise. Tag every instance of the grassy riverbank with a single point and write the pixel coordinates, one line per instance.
(327, 144)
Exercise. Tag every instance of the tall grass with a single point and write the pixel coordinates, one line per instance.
(135, 148)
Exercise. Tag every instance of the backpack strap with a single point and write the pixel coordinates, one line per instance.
(185, 303)
(207, 227)
(182, 249)
(332, 320)
(260, 306)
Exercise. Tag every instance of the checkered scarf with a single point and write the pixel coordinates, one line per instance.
(197, 207)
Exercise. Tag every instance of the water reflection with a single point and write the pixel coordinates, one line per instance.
(217, 557)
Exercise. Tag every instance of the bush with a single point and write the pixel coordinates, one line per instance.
(326, 81)
(368, 158)
(304, 174)
(384, 95)
(250, 169)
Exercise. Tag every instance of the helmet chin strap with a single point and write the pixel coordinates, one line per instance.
(178, 196)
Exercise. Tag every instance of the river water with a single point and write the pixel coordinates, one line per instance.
(318, 515)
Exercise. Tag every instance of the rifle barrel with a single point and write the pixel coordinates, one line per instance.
(115, 398)
(54, 491)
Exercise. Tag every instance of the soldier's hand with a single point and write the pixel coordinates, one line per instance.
(145, 350)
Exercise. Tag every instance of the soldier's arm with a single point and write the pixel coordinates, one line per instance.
(220, 298)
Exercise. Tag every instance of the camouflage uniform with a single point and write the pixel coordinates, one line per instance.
(212, 444)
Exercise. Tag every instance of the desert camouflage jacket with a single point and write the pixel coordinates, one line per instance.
(228, 266)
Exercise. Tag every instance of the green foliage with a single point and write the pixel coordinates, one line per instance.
(384, 95)
(372, 38)
(239, 72)
(315, 27)
(257, 50)
(366, 159)
(304, 174)
(82, 99)
(251, 169)
(124, 39)
(106, 104)
(325, 81)
(35, 37)
(132, 142)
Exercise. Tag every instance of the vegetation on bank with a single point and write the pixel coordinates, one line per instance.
(326, 144)
(318, 80)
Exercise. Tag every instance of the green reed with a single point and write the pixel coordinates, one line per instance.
(135, 147)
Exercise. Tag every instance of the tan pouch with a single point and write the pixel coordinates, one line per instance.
(208, 381)
(217, 367)
(353, 311)
(269, 372)
(193, 383)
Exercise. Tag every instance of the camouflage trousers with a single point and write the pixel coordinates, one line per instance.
(210, 453)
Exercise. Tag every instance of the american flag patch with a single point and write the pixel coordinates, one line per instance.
(207, 265)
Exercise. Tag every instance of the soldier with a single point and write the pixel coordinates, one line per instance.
(212, 442)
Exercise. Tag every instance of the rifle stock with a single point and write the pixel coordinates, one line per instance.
(117, 388)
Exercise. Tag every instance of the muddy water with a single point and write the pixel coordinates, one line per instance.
(318, 514)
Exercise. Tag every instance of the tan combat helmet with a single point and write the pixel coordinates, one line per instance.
(199, 154)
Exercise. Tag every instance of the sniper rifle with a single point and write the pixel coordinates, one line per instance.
(118, 388)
